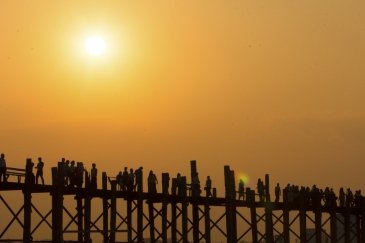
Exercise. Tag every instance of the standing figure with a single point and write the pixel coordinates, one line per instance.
(179, 185)
(208, 186)
(152, 182)
(277, 192)
(2, 168)
(349, 198)
(64, 165)
(260, 189)
(125, 177)
(241, 190)
(138, 183)
(79, 174)
(39, 167)
(72, 174)
(342, 197)
(120, 180)
(94, 173)
(130, 184)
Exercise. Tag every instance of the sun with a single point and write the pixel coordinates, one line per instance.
(95, 45)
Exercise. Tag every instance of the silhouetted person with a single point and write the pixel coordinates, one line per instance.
(357, 198)
(277, 192)
(72, 173)
(79, 174)
(152, 182)
(179, 185)
(94, 173)
(138, 174)
(130, 183)
(39, 173)
(2, 168)
(66, 170)
(119, 179)
(208, 186)
(241, 190)
(125, 180)
(342, 197)
(349, 198)
(260, 189)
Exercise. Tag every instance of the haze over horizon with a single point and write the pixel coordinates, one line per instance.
(266, 87)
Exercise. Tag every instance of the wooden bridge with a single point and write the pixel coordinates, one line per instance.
(181, 214)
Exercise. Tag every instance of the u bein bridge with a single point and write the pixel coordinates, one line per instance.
(180, 214)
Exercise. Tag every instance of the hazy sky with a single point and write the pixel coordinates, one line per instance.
(265, 86)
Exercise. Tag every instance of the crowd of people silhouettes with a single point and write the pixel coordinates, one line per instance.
(128, 181)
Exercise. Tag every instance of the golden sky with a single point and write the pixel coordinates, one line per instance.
(265, 86)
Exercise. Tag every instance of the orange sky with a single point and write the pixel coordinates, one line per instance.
(265, 86)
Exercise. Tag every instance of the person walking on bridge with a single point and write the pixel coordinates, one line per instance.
(94, 174)
(2, 168)
(39, 167)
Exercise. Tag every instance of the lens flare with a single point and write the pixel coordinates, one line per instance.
(243, 176)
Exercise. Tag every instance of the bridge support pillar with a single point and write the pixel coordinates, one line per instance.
(173, 212)
(27, 195)
(87, 209)
(286, 222)
(129, 220)
(231, 221)
(184, 211)
(269, 230)
(113, 211)
(105, 209)
(80, 230)
(333, 226)
(139, 180)
(165, 189)
(57, 203)
(151, 221)
(207, 220)
(318, 225)
(250, 197)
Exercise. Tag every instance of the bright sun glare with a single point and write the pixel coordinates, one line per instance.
(95, 45)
